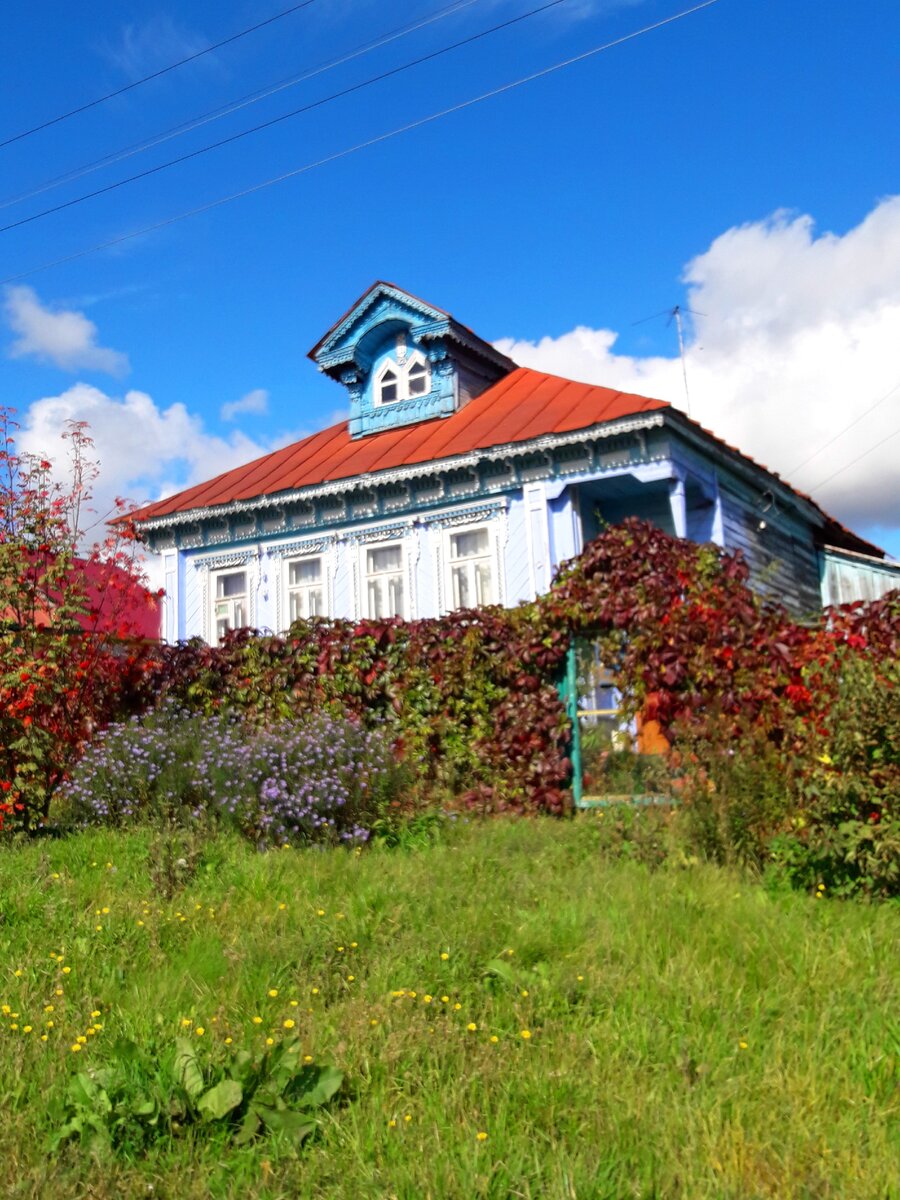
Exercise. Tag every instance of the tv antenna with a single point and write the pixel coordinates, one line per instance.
(676, 314)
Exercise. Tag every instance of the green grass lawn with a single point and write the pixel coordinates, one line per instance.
(682, 1033)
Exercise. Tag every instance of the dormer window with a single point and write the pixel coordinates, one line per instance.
(395, 382)
(417, 378)
(388, 385)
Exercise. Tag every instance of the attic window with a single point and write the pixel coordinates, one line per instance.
(394, 382)
(417, 379)
(387, 387)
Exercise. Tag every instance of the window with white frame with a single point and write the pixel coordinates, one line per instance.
(305, 589)
(384, 581)
(394, 382)
(231, 609)
(472, 570)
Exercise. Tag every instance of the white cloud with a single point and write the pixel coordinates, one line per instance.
(799, 335)
(256, 401)
(152, 44)
(144, 451)
(65, 338)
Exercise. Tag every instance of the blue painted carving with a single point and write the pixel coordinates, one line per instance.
(388, 325)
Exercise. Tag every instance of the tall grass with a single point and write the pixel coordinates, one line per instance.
(690, 1035)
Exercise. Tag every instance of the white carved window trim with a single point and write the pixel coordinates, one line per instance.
(401, 381)
(453, 562)
(400, 572)
(321, 585)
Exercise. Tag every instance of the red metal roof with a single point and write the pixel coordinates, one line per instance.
(525, 404)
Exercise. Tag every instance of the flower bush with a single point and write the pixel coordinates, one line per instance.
(320, 779)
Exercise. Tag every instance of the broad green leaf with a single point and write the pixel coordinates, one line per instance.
(221, 1099)
(321, 1084)
(187, 1068)
(249, 1127)
(295, 1125)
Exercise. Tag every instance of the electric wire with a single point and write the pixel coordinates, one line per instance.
(369, 142)
(854, 461)
(840, 433)
(305, 108)
(128, 87)
(232, 106)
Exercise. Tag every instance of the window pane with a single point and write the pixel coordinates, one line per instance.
(417, 379)
(461, 598)
(384, 558)
(388, 393)
(305, 570)
(483, 583)
(376, 598)
(468, 544)
(395, 596)
(234, 584)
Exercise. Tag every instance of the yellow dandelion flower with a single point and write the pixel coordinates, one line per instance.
(228, 1041)
(75, 1048)
(743, 1045)
(350, 978)
(307, 1058)
(58, 992)
(17, 972)
(282, 907)
(288, 1024)
(14, 1025)
(185, 1021)
(48, 1008)
(315, 991)
(340, 949)
(4, 1008)
(412, 995)
(444, 956)
(373, 1022)
(199, 1031)
(104, 911)
(90, 1031)
(49, 1024)
(580, 978)
(392, 1124)
(81, 1039)
(140, 922)
(526, 1034)
(270, 1041)
(99, 928)
(445, 999)
(524, 994)
(273, 992)
(407, 1118)
(471, 1027)
(494, 1038)
(294, 1003)
(257, 1020)
(95, 1013)
(426, 999)
(97, 1026)
(457, 1006)
(67, 970)
(26, 1029)
(481, 1136)
(320, 912)
(43, 1037)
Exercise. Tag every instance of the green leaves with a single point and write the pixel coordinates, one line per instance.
(141, 1097)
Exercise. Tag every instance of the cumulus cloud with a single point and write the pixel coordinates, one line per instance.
(256, 401)
(65, 337)
(144, 451)
(799, 335)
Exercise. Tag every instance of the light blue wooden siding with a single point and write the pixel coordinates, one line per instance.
(847, 577)
(782, 557)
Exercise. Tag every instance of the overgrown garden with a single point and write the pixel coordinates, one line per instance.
(351, 739)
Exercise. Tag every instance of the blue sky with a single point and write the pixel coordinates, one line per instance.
(742, 158)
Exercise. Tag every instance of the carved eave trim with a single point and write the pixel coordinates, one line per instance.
(509, 451)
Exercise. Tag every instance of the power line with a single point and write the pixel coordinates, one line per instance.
(225, 110)
(305, 108)
(373, 141)
(73, 112)
(846, 429)
(854, 461)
